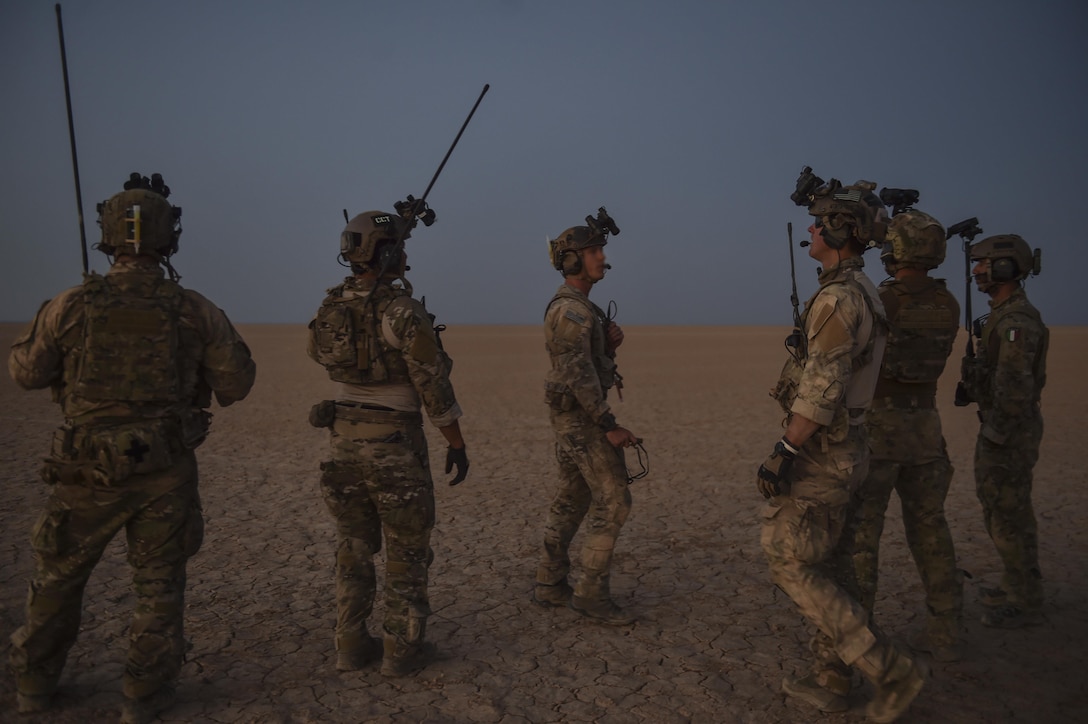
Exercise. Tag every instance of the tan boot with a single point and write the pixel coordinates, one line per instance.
(407, 655)
(368, 651)
(808, 690)
(147, 709)
(552, 594)
(897, 677)
(941, 639)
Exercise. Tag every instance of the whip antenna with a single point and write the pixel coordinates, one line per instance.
(72, 140)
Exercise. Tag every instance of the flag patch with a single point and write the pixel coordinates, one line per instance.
(1012, 335)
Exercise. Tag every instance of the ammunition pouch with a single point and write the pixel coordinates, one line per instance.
(194, 425)
(973, 379)
(559, 398)
(323, 414)
(785, 392)
(105, 455)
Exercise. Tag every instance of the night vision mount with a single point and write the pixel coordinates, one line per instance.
(603, 224)
(808, 185)
(899, 199)
(412, 209)
(967, 230)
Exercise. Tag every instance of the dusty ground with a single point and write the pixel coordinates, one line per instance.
(714, 637)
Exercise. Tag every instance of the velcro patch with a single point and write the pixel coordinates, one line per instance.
(574, 317)
(1012, 334)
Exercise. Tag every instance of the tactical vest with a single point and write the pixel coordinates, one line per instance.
(349, 339)
(129, 351)
(786, 390)
(920, 338)
(604, 360)
(978, 375)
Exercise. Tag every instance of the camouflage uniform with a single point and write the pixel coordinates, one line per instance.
(805, 531)
(908, 450)
(592, 473)
(132, 358)
(1006, 378)
(386, 356)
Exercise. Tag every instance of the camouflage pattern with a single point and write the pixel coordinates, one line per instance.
(592, 474)
(914, 239)
(844, 326)
(122, 463)
(908, 449)
(385, 342)
(378, 476)
(139, 221)
(807, 531)
(1011, 364)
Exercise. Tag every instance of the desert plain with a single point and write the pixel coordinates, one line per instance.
(714, 636)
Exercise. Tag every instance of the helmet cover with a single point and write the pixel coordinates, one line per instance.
(846, 209)
(574, 239)
(139, 221)
(914, 239)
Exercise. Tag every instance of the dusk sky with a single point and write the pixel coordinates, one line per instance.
(688, 120)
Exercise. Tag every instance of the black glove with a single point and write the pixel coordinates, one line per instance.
(457, 457)
(771, 479)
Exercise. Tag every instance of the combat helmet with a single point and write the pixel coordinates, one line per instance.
(370, 234)
(1011, 259)
(139, 220)
(577, 238)
(845, 209)
(914, 239)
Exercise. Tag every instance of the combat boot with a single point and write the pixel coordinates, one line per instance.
(605, 611)
(808, 690)
(405, 655)
(148, 708)
(34, 693)
(992, 597)
(404, 659)
(354, 658)
(897, 677)
(552, 594)
(1010, 616)
(940, 639)
(32, 703)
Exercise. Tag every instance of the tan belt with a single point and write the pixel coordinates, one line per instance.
(366, 423)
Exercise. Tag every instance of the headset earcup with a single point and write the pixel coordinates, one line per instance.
(1004, 270)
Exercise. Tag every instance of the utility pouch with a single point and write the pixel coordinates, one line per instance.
(62, 447)
(323, 414)
(558, 397)
(195, 423)
(121, 451)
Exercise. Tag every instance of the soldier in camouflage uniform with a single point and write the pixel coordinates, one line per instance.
(1006, 379)
(132, 359)
(380, 345)
(818, 464)
(581, 343)
(908, 448)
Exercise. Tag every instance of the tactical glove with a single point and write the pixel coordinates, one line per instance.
(457, 457)
(771, 479)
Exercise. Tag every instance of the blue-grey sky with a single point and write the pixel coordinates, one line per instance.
(689, 120)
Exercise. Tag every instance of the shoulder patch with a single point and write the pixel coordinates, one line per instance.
(574, 316)
(1012, 334)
